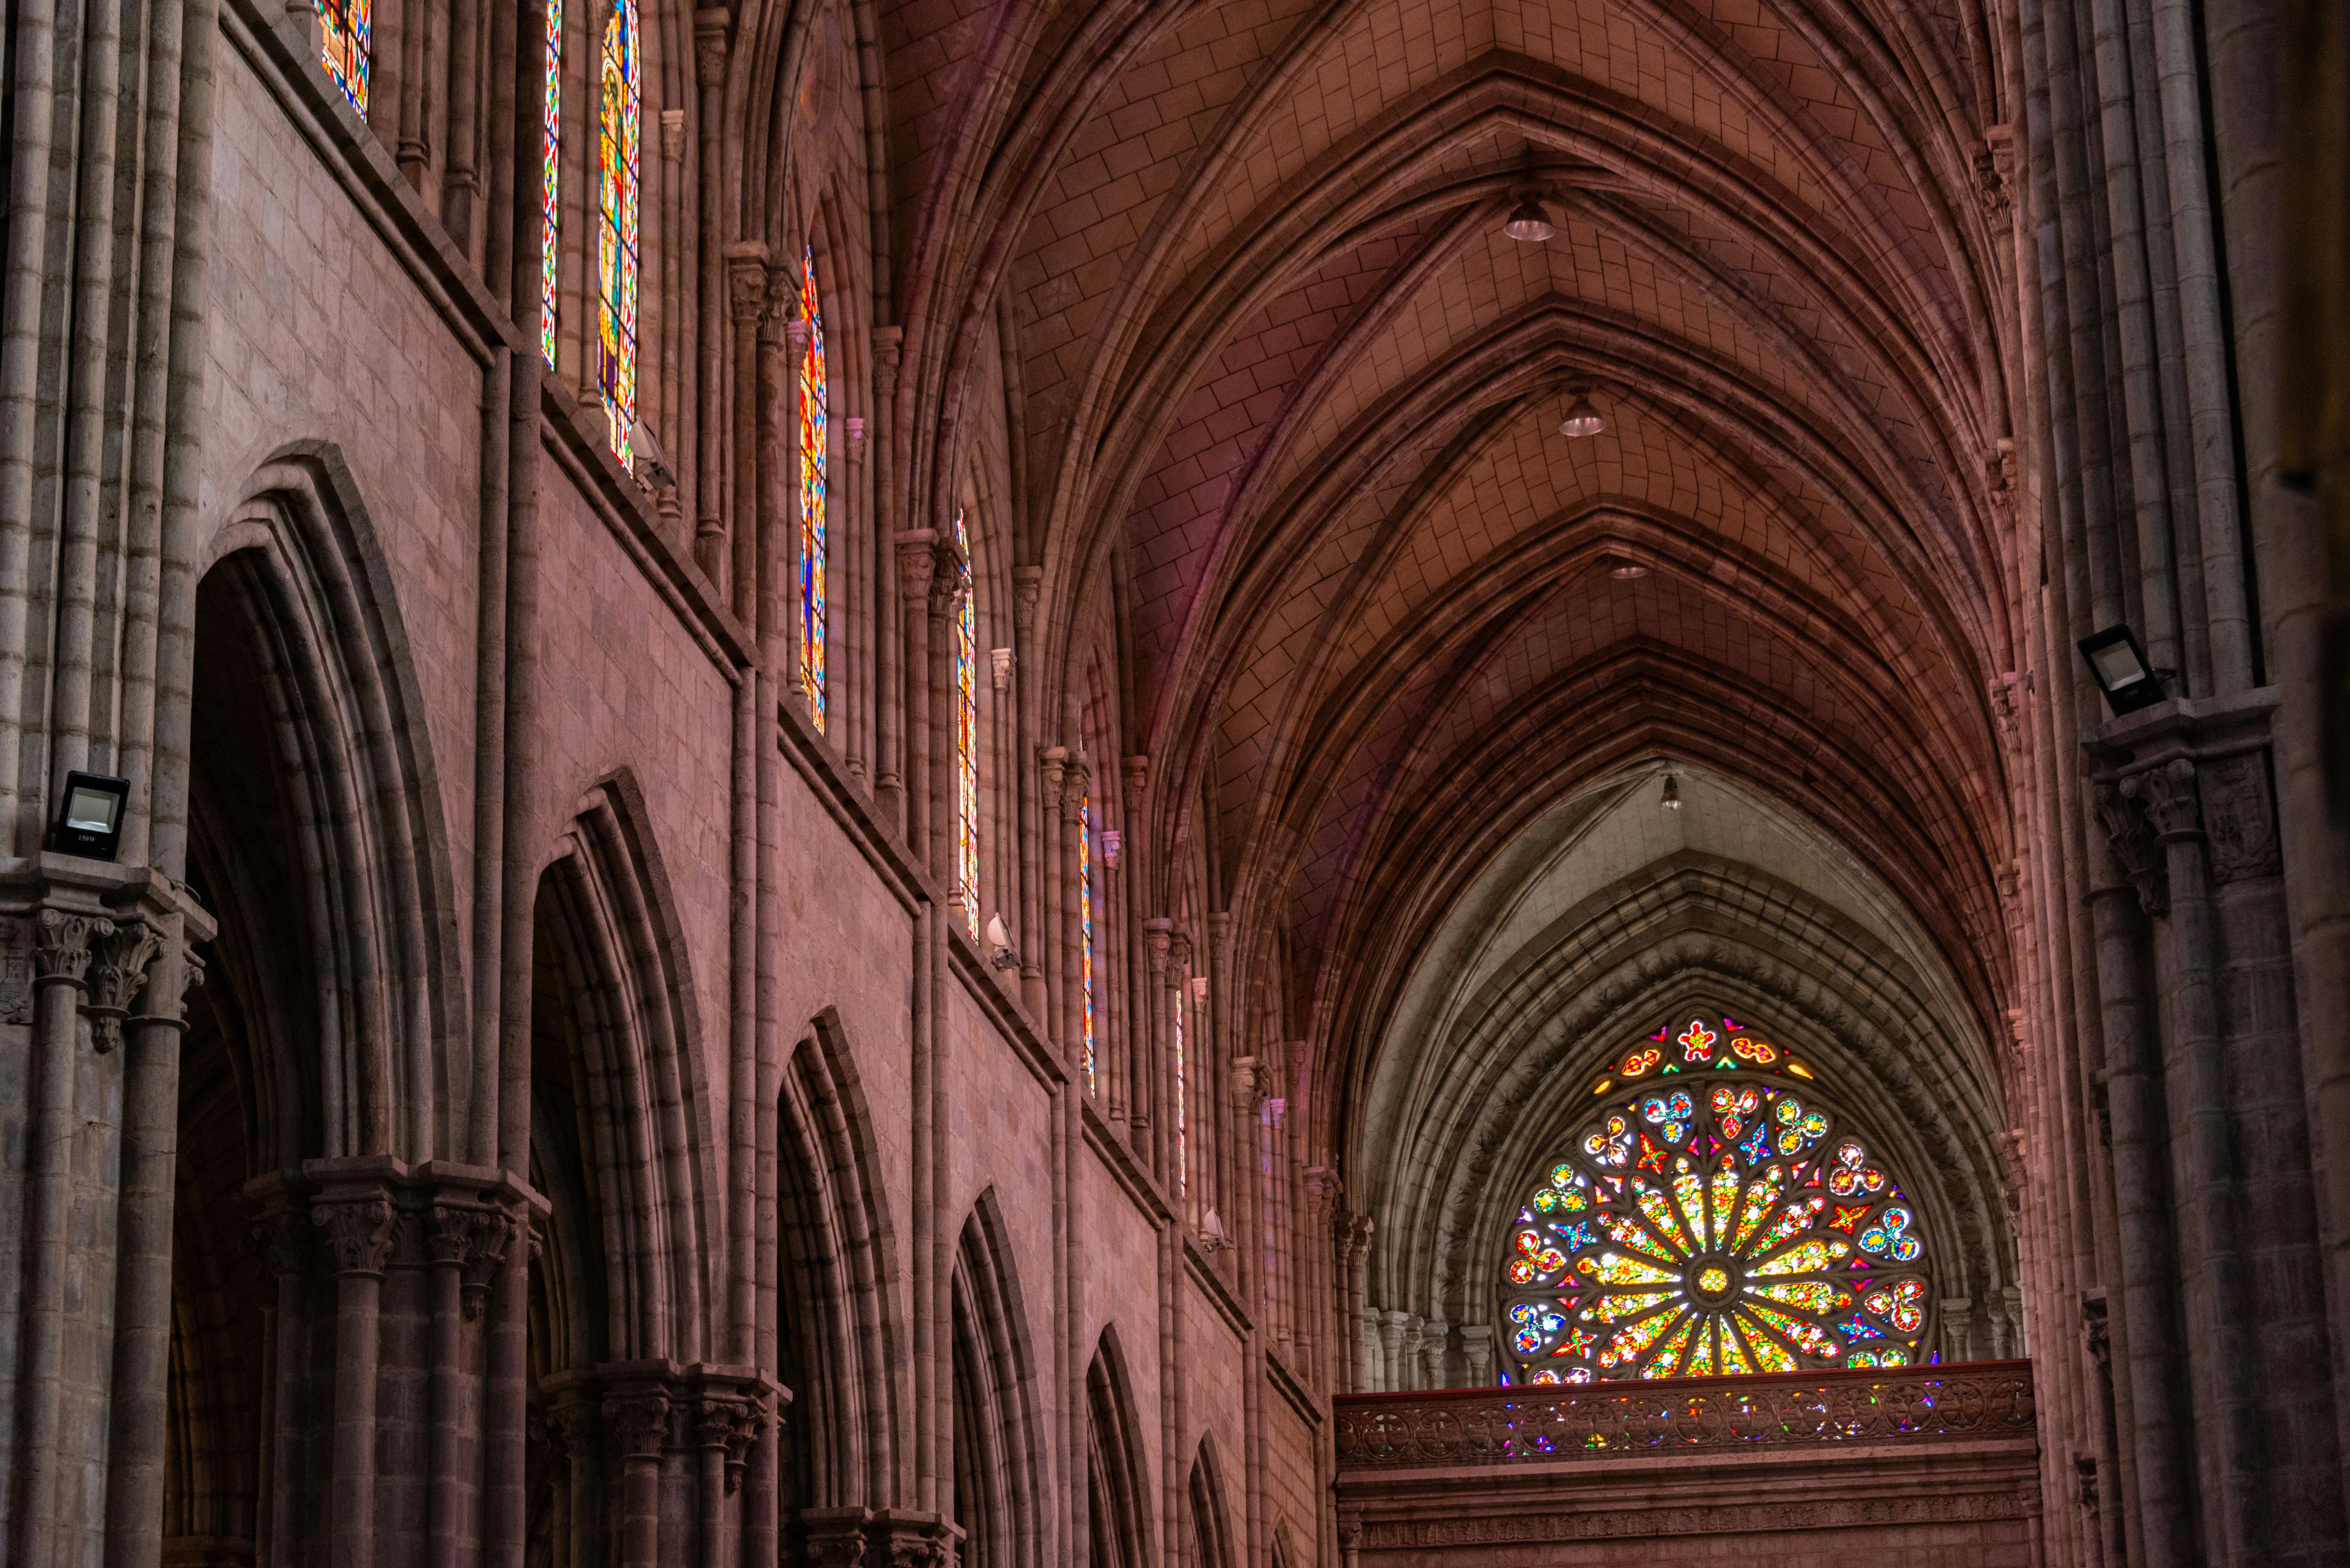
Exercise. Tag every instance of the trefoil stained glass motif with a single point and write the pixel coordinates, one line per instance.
(616, 238)
(550, 184)
(966, 664)
(349, 48)
(815, 393)
(1714, 1215)
(1085, 927)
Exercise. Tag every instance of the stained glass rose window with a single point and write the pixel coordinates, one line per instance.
(1713, 1216)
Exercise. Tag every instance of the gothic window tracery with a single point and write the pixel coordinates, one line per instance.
(966, 678)
(550, 184)
(814, 411)
(619, 106)
(1713, 1215)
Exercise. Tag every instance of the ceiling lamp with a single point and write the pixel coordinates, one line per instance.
(1627, 570)
(1671, 800)
(1582, 418)
(1528, 221)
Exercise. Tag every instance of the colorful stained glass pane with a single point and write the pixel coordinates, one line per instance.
(1086, 927)
(1704, 1243)
(1183, 1118)
(815, 409)
(349, 48)
(966, 673)
(619, 94)
(550, 184)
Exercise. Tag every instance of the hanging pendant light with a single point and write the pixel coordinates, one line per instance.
(1582, 418)
(1671, 800)
(1528, 221)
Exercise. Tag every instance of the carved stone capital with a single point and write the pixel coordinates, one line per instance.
(1027, 586)
(1157, 938)
(835, 1537)
(1053, 762)
(1076, 790)
(710, 25)
(746, 279)
(123, 955)
(281, 1241)
(1137, 780)
(906, 1538)
(999, 663)
(2240, 817)
(358, 1232)
(918, 562)
(949, 578)
(1178, 952)
(567, 1427)
(2171, 800)
(2131, 838)
(63, 942)
(1323, 1187)
(638, 1422)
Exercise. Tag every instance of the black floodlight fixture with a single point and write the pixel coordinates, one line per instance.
(90, 824)
(2123, 674)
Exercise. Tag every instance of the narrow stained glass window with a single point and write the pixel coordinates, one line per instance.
(1183, 1116)
(348, 47)
(1086, 926)
(815, 393)
(550, 184)
(966, 662)
(616, 238)
(1714, 1215)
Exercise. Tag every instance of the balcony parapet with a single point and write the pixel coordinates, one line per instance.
(1968, 1402)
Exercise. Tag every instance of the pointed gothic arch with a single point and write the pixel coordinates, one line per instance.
(1117, 1507)
(999, 1441)
(1208, 1521)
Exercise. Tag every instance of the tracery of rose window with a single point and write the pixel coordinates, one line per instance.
(1713, 1216)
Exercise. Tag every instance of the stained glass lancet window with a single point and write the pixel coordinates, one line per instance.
(966, 663)
(1714, 1215)
(616, 180)
(550, 184)
(815, 393)
(1182, 1119)
(349, 46)
(1085, 927)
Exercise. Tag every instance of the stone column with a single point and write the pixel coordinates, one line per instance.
(1477, 1347)
(62, 945)
(1957, 1326)
(1434, 1347)
(357, 1218)
(746, 302)
(916, 567)
(638, 1422)
(1391, 1326)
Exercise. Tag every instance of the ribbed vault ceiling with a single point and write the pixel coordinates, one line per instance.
(1280, 378)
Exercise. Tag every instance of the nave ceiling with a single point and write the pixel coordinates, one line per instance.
(1278, 377)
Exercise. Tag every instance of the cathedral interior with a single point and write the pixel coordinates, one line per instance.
(1175, 783)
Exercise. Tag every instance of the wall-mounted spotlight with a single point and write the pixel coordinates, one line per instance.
(1582, 418)
(1000, 955)
(89, 822)
(1671, 799)
(1528, 221)
(2123, 674)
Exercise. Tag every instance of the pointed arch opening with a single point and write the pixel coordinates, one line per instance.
(998, 1438)
(1118, 1515)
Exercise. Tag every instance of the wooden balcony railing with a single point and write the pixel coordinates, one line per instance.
(1967, 1401)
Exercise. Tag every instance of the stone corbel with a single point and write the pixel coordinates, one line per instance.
(999, 664)
(1477, 1348)
(1027, 586)
(710, 28)
(1055, 764)
(1077, 785)
(1137, 782)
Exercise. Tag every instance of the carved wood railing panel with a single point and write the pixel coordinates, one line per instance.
(1970, 1400)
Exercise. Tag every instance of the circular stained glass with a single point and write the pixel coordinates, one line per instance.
(1713, 1217)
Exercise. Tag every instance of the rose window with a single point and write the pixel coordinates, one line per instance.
(1713, 1217)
